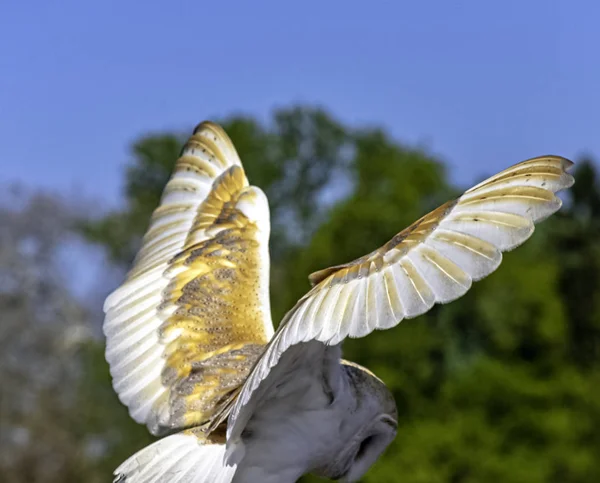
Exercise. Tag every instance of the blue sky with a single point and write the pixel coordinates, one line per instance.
(483, 84)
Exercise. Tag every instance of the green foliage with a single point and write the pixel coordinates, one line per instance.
(501, 385)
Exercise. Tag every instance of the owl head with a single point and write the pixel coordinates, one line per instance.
(371, 425)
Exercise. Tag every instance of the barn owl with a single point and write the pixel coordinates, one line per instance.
(192, 349)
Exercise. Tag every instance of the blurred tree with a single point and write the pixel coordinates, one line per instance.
(501, 385)
(41, 330)
(578, 246)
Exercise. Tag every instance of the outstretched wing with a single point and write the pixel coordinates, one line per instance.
(434, 260)
(193, 315)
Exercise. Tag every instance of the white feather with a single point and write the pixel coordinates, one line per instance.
(177, 458)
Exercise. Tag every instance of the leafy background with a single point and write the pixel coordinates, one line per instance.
(501, 385)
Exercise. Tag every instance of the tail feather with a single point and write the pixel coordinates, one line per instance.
(180, 458)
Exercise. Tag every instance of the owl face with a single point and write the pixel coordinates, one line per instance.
(370, 426)
(375, 436)
(369, 446)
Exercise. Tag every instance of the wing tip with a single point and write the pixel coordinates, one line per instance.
(566, 165)
(214, 134)
(569, 180)
(206, 123)
(253, 203)
(216, 130)
(210, 126)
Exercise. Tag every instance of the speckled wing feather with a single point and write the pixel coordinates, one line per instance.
(193, 315)
(434, 260)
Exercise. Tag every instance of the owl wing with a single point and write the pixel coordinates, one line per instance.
(435, 260)
(193, 314)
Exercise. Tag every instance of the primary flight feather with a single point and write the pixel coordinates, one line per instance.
(190, 341)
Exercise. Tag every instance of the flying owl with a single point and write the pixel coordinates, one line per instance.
(191, 345)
